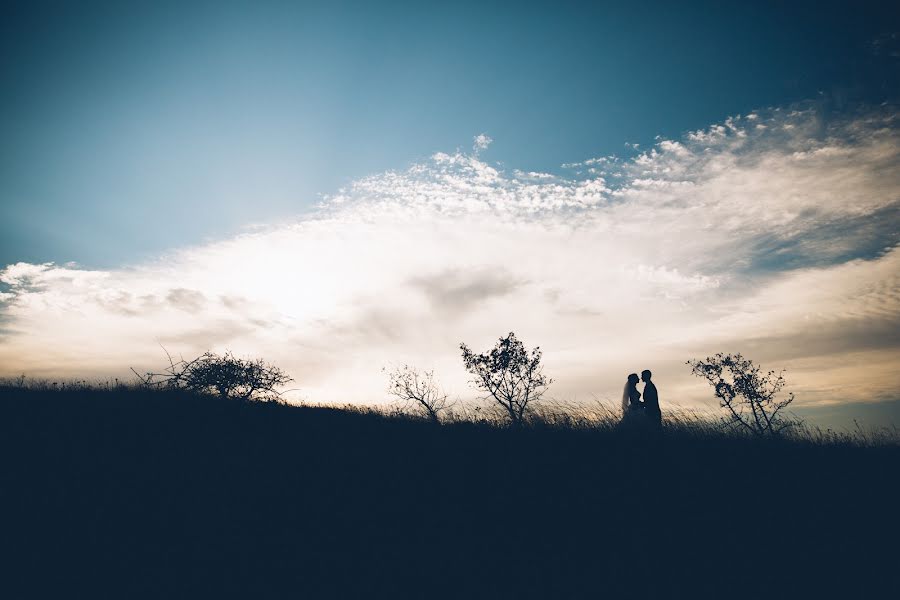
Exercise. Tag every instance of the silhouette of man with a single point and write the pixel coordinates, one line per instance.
(651, 400)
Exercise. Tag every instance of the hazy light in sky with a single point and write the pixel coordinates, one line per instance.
(772, 234)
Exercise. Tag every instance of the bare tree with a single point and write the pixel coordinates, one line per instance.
(419, 389)
(510, 375)
(171, 377)
(226, 376)
(747, 393)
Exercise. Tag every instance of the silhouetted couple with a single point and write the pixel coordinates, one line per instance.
(636, 410)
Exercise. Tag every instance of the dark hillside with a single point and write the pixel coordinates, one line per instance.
(130, 493)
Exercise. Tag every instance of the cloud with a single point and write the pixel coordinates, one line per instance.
(481, 142)
(187, 300)
(774, 234)
(454, 291)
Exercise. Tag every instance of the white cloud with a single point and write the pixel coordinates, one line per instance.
(481, 142)
(776, 240)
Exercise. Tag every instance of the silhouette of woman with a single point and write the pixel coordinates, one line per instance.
(631, 398)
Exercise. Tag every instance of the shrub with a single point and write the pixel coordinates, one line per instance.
(509, 374)
(745, 392)
(226, 376)
(417, 389)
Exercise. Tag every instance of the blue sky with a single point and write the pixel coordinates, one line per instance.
(132, 128)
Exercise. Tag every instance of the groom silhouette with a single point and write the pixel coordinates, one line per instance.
(651, 399)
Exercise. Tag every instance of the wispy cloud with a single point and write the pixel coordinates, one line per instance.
(774, 233)
(481, 142)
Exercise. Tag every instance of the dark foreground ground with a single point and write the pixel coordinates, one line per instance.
(136, 494)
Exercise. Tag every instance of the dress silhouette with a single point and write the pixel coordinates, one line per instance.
(632, 408)
(651, 400)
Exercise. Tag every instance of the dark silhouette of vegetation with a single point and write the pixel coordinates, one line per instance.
(226, 376)
(747, 393)
(127, 492)
(417, 390)
(509, 374)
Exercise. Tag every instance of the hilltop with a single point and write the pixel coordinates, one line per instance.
(129, 492)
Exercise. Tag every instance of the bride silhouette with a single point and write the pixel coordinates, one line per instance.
(632, 407)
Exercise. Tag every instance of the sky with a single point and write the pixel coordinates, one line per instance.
(341, 187)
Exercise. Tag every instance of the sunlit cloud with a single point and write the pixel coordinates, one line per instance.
(774, 234)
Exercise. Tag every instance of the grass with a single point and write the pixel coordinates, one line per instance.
(124, 492)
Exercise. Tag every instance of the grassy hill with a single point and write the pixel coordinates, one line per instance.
(124, 493)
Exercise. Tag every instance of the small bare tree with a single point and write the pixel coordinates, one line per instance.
(418, 389)
(511, 375)
(747, 393)
(226, 376)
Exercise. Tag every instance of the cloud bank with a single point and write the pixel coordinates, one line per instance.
(774, 234)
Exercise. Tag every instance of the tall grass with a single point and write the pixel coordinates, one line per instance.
(597, 416)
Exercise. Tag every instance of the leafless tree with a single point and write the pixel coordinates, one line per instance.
(747, 393)
(419, 389)
(226, 376)
(509, 374)
(171, 377)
